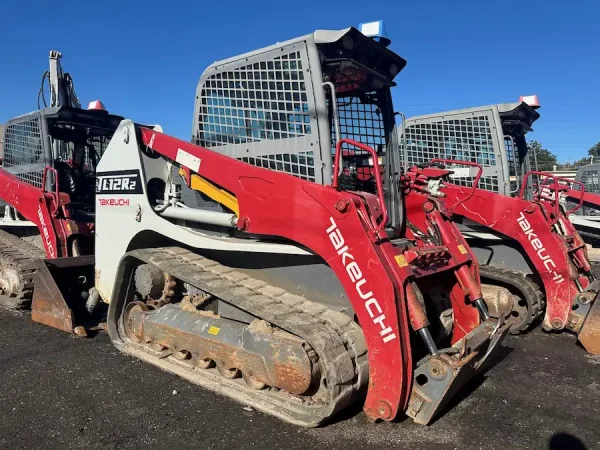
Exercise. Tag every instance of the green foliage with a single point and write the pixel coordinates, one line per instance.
(595, 151)
(545, 158)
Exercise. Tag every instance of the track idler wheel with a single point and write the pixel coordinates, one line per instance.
(149, 281)
(133, 330)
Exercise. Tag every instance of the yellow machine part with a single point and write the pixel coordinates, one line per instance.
(200, 184)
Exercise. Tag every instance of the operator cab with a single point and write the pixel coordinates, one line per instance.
(363, 75)
(64, 141)
(491, 135)
(274, 107)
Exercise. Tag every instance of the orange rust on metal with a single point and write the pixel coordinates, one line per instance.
(284, 364)
(590, 331)
(48, 305)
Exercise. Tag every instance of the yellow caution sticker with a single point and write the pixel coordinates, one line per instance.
(462, 249)
(401, 260)
(214, 330)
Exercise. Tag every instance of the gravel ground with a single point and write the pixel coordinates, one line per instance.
(63, 392)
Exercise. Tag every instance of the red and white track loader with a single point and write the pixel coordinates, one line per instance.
(47, 184)
(558, 283)
(293, 299)
(284, 291)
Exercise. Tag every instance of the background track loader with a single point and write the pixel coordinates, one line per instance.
(493, 138)
(557, 262)
(47, 184)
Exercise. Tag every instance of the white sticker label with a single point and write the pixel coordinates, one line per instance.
(188, 160)
(460, 172)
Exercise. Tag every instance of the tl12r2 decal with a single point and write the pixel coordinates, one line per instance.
(119, 182)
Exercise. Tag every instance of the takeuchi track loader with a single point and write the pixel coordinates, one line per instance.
(294, 300)
(556, 281)
(47, 191)
(285, 291)
(525, 240)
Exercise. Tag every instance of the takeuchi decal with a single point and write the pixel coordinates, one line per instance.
(539, 247)
(113, 201)
(360, 283)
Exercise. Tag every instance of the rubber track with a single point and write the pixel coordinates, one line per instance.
(335, 337)
(529, 290)
(20, 255)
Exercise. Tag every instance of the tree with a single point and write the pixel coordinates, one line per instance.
(545, 158)
(594, 157)
(582, 162)
(595, 152)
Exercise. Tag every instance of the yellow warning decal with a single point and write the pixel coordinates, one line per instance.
(401, 260)
(214, 330)
(462, 249)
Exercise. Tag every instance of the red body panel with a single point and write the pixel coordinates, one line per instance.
(32, 204)
(47, 210)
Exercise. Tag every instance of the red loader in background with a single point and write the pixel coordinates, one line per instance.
(543, 232)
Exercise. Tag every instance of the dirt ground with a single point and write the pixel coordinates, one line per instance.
(61, 392)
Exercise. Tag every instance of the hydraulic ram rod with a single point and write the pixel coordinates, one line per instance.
(200, 215)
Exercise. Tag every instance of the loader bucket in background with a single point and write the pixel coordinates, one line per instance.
(589, 336)
(59, 297)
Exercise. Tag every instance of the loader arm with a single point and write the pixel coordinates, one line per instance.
(588, 198)
(36, 206)
(526, 223)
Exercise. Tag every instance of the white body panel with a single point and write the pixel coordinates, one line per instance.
(121, 217)
(588, 221)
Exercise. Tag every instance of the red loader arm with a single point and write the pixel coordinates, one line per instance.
(583, 197)
(36, 206)
(530, 223)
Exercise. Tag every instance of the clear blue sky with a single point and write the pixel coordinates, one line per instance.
(143, 59)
